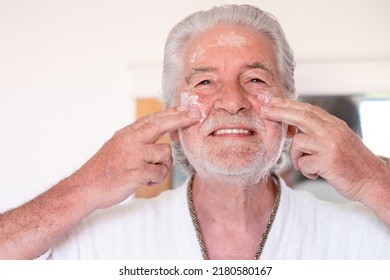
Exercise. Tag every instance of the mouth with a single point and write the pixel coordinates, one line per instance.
(233, 132)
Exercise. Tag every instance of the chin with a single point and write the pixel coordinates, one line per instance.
(235, 177)
(238, 171)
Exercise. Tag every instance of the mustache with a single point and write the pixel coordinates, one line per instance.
(245, 118)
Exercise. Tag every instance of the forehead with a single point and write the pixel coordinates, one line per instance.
(226, 41)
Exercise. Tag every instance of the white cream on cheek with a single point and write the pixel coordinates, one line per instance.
(264, 99)
(192, 103)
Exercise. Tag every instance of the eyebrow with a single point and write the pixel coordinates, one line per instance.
(197, 70)
(259, 65)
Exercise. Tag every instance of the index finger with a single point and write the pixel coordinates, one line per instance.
(168, 111)
(306, 117)
(159, 124)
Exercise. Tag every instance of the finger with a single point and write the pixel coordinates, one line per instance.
(310, 176)
(303, 144)
(157, 153)
(169, 111)
(155, 128)
(308, 165)
(295, 154)
(305, 117)
(153, 174)
(299, 105)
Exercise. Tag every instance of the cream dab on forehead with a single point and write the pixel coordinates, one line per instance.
(232, 39)
(199, 50)
(192, 103)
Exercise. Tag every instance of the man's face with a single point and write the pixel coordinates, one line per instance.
(229, 73)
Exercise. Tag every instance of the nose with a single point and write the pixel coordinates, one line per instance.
(232, 99)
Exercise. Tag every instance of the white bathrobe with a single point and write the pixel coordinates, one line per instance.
(161, 228)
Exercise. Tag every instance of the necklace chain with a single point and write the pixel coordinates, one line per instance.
(264, 236)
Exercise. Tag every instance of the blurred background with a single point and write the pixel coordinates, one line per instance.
(70, 72)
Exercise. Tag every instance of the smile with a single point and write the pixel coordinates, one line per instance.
(232, 131)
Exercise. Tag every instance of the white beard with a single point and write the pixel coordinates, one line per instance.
(221, 163)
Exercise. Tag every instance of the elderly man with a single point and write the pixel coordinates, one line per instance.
(228, 83)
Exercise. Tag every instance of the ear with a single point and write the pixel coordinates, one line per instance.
(174, 136)
(291, 131)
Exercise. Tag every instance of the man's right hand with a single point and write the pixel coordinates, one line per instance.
(132, 158)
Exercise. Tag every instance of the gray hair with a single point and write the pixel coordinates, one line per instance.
(196, 23)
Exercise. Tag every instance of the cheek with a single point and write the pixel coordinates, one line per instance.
(192, 102)
(208, 102)
(277, 126)
(189, 137)
(274, 130)
(203, 102)
(263, 98)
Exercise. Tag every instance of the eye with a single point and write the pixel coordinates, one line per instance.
(205, 82)
(256, 80)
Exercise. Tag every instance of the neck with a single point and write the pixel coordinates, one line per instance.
(232, 214)
(221, 201)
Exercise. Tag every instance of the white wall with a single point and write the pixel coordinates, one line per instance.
(70, 70)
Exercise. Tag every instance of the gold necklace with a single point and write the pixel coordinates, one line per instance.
(264, 236)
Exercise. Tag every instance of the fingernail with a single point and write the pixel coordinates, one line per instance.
(195, 114)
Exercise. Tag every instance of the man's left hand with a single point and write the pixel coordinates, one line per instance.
(327, 147)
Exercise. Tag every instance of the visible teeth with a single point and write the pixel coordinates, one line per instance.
(232, 131)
